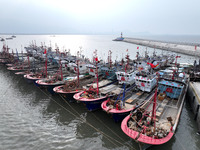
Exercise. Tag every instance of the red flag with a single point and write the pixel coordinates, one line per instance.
(178, 56)
(195, 47)
(138, 47)
(152, 65)
(45, 51)
(96, 59)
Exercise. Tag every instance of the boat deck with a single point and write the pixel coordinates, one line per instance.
(108, 89)
(164, 109)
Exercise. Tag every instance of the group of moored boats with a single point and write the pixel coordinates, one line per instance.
(145, 94)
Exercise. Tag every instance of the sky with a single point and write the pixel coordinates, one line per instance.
(100, 17)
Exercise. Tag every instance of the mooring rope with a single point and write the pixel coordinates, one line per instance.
(98, 120)
(106, 136)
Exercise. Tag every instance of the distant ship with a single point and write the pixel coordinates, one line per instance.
(119, 38)
(9, 38)
(2, 39)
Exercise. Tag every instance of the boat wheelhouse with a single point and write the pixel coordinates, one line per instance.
(145, 81)
(82, 67)
(126, 77)
(108, 72)
(92, 68)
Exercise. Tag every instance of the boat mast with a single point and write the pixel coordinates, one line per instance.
(45, 52)
(109, 58)
(97, 76)
(77, 62)
(22, 58)
(127, 58)
(176, 59)
(96, 72)
(61, 74)
(153, 117)
(28, 64)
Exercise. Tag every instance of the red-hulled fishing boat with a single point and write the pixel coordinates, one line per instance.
(155, 122)
(94, 96)
(73, 86)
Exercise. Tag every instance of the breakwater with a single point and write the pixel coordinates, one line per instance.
(183, 48)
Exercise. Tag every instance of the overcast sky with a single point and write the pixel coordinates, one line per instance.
(100, 16)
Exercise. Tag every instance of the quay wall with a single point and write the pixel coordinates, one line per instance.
(187, 49)
(193, 98)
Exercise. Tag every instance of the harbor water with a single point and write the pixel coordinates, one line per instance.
(30, 118)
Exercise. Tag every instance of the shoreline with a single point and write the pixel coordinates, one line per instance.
(187, 49)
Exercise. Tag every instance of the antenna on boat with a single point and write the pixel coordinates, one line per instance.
(28, 65)
(77, 62)
(109, 58)
(22, 58)
(96, 72)
(45, 52)
(127, 61)
(80, 51)
(176, 59)
(61, 74)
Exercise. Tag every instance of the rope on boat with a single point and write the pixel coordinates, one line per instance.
(109, 138)
(109, 128)
(101, 123)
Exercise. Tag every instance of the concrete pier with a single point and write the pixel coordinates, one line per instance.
(193, 97)
(187, 49)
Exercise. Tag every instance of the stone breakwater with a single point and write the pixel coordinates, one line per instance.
(187, 49)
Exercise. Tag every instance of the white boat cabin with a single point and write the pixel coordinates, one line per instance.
(92, 68)
(127, 78)
(82, 68)
(145, 81)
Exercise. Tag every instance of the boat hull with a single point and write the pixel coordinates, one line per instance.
(68, 96)
(91, 104)
(141, 138)
(117, 115)
(48, 86)
(31, 79)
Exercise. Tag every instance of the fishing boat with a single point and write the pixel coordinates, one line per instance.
(108, 70)
(95, 95)
(127, 75)
(155, 122)
(60, 79)
(2, 39)
(73, 85)
(132, 97)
